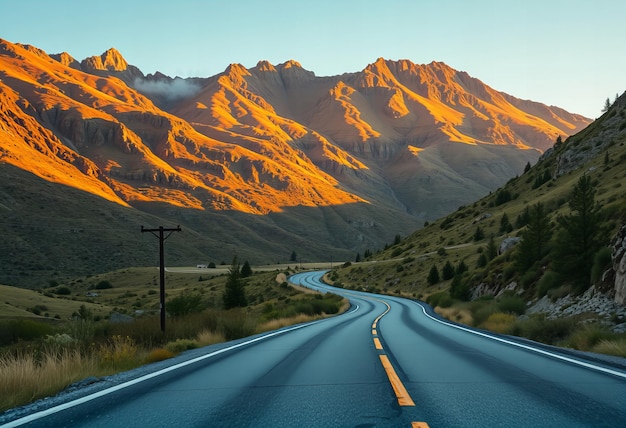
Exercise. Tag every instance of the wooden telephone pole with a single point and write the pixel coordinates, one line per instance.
(162, 237)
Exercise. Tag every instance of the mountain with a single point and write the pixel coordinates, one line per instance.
(597, 153)
(258, 162)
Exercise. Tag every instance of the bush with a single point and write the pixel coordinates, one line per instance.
(181, 345)
(512, 305)
(236, 324)
(441, 299)
(548, 281)
(544, 330)
(103, 285)
(585, 338)
(499, 322)
(63, 291)
(601, 260)
(184, 304)
(18, 330)
(158, 354)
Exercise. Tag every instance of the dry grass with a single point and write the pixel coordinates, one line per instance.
(209, 337)
(159, 354)
(24, 378)
(499, 322)
(460, 315)
(275, 324)
(616, 347)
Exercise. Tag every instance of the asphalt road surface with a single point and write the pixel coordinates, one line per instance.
(387, 362)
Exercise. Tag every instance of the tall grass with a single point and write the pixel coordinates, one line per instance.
(26, 377)
(32, 370)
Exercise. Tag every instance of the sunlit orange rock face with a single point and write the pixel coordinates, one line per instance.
(415, 140)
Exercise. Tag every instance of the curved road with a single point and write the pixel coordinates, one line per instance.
(386, 362)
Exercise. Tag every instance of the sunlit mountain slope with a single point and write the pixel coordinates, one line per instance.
(336, 157)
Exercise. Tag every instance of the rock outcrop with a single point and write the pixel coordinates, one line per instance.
(619, 265)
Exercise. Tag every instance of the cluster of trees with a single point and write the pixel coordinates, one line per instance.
(569, 245)
(572, 243)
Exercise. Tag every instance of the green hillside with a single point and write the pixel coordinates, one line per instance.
(464, 247)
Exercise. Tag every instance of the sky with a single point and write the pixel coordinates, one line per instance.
(567, 53)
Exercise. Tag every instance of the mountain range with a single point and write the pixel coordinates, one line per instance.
(258, 162)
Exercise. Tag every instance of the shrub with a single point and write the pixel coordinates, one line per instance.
(585, 338)
(184, 304)
(512, 305)
(18, 330)
(441, 299)
(499, 322)
(548, 281)
(158, 354)
(63, 291)
(541, 329)
(181, 345)
(103, 285)
(236, 324)
(601, 261)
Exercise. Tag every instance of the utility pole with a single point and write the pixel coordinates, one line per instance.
(162, 238)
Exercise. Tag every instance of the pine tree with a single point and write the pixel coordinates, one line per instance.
(433, 275)
(234, 293)
(448, 271)
(535, 238)
(492, 249)
(246, 270)
(505, 224)
(527, 167)
(579, 235)
(479, 234)
(294, 257)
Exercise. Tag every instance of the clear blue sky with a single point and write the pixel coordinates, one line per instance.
(566, 53)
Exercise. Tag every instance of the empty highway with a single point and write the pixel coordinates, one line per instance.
(387, 362)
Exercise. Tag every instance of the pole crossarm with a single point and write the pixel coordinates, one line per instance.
(162, 238)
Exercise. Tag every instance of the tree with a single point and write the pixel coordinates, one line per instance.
(397, 239)
(448, 271)
(607, 105)
(234, 293)
(505, 224)
(357, 259)
(294, 257)
(462, 267)
(527, 167)
(184, 304)
(479, 234)
(492, 249)
(579, 236)
(433, 275)
(246, 270)
(523, 218)
(535, 238)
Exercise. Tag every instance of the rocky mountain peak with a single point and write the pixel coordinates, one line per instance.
(265, 65)
(110, 60)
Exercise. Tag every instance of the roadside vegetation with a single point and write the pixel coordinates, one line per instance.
(86, 334)
(542, 235)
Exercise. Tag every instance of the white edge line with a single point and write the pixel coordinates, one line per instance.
(527, 347)
(38, 415)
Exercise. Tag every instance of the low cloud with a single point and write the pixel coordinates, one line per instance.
(171, 90)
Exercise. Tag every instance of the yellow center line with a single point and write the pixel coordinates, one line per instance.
(377, 343)
(419, 425)
(373, 332)
(404, 399)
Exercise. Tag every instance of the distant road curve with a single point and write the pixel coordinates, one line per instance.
(387, 362)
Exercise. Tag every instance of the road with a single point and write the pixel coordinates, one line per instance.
(387, 362)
